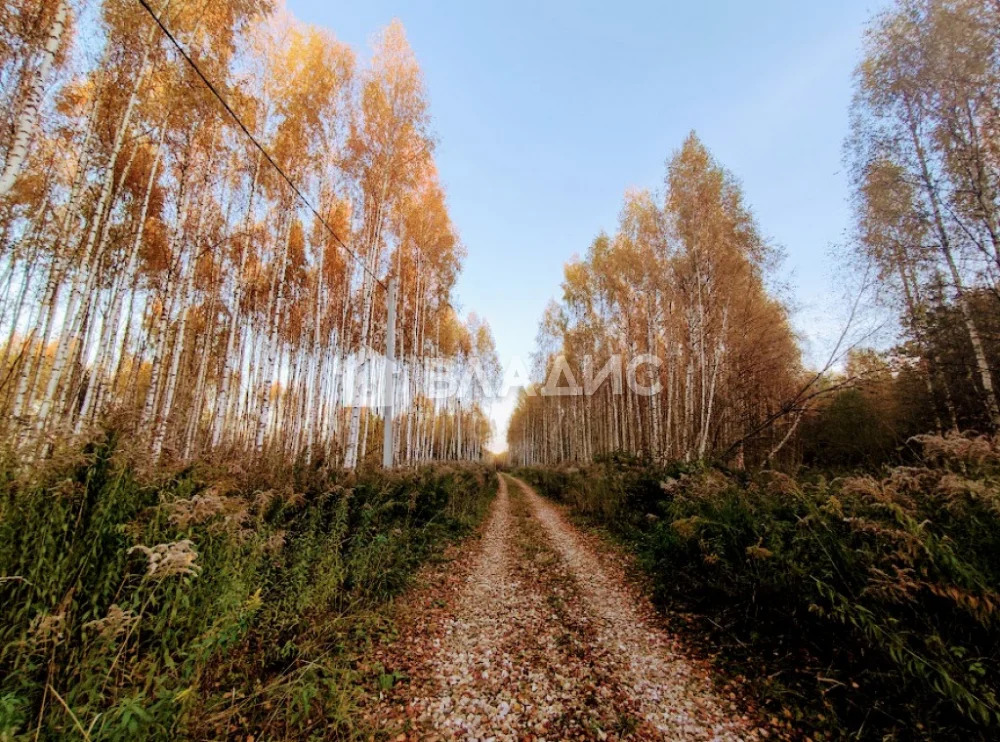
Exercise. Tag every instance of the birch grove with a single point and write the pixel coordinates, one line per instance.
(682, 281)
(159, 273)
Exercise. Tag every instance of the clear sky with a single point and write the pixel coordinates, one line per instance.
(545, 112)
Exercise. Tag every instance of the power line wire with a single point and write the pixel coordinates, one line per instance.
(258, 145)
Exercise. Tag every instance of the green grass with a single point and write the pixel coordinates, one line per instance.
(862, 606)
(259, 634)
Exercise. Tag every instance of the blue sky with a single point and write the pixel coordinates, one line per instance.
(546, 112)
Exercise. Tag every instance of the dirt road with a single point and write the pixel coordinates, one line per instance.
(532, 634)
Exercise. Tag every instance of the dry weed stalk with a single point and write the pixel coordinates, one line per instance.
(113, 625)
(167, 560)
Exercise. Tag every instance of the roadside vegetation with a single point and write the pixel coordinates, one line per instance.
(228, 597)
(864, 605)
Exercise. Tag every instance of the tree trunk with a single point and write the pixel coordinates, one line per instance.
(27, 120)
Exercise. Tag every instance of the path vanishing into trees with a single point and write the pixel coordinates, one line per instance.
(533, 632)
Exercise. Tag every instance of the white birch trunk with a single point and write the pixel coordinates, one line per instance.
(27, 120)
